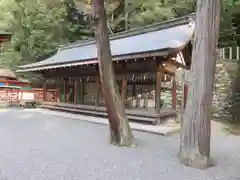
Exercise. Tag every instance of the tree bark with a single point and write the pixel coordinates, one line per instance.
(120, 131)
(196, 128)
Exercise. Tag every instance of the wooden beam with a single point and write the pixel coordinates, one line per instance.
(169, 67)
(151, 81)
(174, 93)
(178, 64)
(187, 54)
(147, 55)
(58, 95)
(76, 90)
(120, 68)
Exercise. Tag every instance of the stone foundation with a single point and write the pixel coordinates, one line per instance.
(225, 81)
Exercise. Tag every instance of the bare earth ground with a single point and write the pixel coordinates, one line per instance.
(41, 146)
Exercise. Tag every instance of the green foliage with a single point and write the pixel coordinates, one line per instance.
(184, 7)
(38, 27)
(132, 14)
(149, 12)
(141, 13)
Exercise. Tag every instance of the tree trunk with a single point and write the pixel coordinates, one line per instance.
(196, 128)
(120, 131)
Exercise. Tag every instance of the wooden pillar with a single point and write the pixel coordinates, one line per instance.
(44, 90)
(58, 90)
(65, 90)
(124, 88)
(159, 76)
(17, 97)
(133, 95)
(76, 91)
(58, 95)
(82, 91)
(185, 92)
(98, 90)
(145, 99)
(70, 85)
(174, 93)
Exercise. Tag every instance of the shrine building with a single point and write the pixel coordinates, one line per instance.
(144, 59)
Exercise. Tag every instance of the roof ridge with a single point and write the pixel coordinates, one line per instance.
(136, 31)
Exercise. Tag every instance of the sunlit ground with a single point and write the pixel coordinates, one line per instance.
(42, 146)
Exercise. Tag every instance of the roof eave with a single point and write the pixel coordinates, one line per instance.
(163, 52)
(132, 32)
(157, 27)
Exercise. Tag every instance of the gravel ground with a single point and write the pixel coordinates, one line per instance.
(41, 146)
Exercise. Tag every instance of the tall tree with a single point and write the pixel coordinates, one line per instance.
(184, 7)
(196, 128)
(120, 131)
(148, 12)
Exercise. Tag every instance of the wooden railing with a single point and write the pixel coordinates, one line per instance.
(229, 53)
(51, 94)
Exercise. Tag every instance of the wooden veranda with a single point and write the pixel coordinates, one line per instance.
(143, 59)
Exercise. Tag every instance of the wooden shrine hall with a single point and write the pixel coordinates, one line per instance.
(143, 60)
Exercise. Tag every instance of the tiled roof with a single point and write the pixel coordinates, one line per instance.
(163, 37)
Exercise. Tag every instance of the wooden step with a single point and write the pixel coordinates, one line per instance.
(133, 112)
(134, 118)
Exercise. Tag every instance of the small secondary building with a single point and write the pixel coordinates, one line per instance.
(10, 86)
